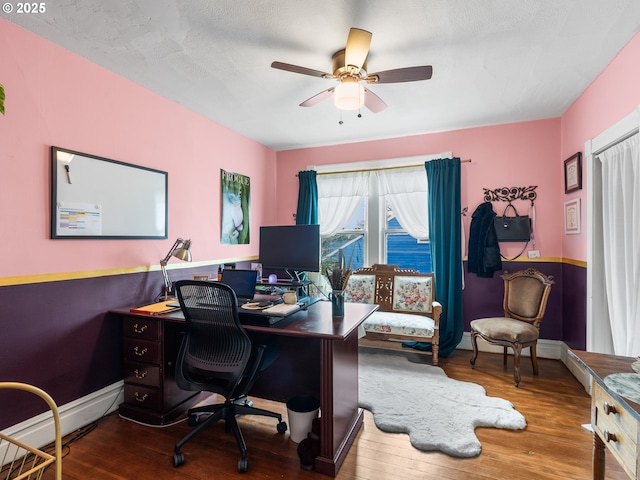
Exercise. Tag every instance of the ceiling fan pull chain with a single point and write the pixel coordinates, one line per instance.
(340, 122)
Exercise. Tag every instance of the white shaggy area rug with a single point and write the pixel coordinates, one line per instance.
(438, 412)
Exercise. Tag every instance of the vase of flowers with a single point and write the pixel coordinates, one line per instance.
(337, 303)
(338, 278)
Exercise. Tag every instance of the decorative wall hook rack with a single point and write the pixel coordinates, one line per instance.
(508, 194)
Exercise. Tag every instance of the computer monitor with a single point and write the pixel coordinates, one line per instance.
(293, 248)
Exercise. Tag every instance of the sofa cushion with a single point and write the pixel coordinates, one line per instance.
(360, 289)
(504, 328)
(412, 294)
(399, 324)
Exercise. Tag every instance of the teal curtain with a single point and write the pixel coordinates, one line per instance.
(444, 207)
(307, 212)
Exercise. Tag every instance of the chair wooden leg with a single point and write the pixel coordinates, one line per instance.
(504, 356)
(474, 345)
(517, 350)
(434, 352)
(534, 359)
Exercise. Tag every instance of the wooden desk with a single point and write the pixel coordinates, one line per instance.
(319, 356)
(615, 420)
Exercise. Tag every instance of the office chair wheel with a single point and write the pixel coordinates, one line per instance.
(243, 465)
(178, 459)
(282, 427)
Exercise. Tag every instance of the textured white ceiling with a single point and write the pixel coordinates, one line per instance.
(494, 61)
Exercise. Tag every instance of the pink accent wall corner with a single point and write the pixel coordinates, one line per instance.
(54, 97)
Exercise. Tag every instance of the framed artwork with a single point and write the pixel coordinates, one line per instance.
(572, 216)
(235, 190)
(573, 173)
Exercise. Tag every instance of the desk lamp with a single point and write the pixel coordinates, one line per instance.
(179, 250)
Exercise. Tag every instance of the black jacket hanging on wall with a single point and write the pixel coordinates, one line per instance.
(484, 251)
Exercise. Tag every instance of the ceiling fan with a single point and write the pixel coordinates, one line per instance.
(349, 67)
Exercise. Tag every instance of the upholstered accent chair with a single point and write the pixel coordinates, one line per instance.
(525, 300)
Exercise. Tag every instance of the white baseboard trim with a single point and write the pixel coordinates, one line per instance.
(578, 371)
(39, 430)
(546, 348)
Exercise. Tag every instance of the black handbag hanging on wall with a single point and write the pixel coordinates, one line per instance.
(516, 228)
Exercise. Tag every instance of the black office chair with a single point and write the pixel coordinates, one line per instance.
(218, 356)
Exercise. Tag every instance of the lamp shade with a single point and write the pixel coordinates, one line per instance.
(180, 250)
(183, 253)
(349, 95)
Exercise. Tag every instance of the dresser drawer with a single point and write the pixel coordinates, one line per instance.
(143, 396)
(142, 373)
(146, 328)
(616, 427)
(142, 351)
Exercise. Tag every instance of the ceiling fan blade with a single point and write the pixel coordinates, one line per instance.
(357, 48)
(373, 102)
(317, 98)
(408, 74)
(303, 70)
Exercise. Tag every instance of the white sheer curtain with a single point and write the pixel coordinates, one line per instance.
(406, 191)
(338, 197)
(621, 231)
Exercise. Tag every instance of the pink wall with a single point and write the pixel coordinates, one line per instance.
(517, 154)
(612, 95)
(55, 97)
(520, 154)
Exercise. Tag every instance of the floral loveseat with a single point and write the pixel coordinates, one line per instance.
(408, 310)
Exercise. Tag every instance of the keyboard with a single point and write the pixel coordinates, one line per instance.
(281, 310)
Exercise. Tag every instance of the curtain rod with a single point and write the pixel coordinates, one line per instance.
(381, 168)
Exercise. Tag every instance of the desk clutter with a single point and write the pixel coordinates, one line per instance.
(158, 308)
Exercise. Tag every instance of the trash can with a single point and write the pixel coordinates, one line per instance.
(301, 410)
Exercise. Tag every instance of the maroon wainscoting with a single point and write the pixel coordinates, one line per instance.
(59, 337)
(574, 306)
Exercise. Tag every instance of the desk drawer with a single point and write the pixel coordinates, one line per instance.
(616, 427)
(142, 373)
(142, 351)
(142, 396)
(146, 328)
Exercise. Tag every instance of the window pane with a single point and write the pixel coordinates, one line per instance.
(405, 251)
(357, 220)
(352, 245)
(390, 218)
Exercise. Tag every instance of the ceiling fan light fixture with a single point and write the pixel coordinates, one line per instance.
(349, 95)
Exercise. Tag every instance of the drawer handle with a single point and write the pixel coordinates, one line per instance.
(608, 409)
(139, 353)
(609, 437)
(140, 374)
(141, 398)
(138, 329)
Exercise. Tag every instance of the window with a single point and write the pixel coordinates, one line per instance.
(351, 239)
(402, 249)
(364, 242)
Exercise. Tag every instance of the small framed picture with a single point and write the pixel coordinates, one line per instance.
(572, 216)
(573, 173)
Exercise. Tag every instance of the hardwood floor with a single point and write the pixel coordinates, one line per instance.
(553, 446)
